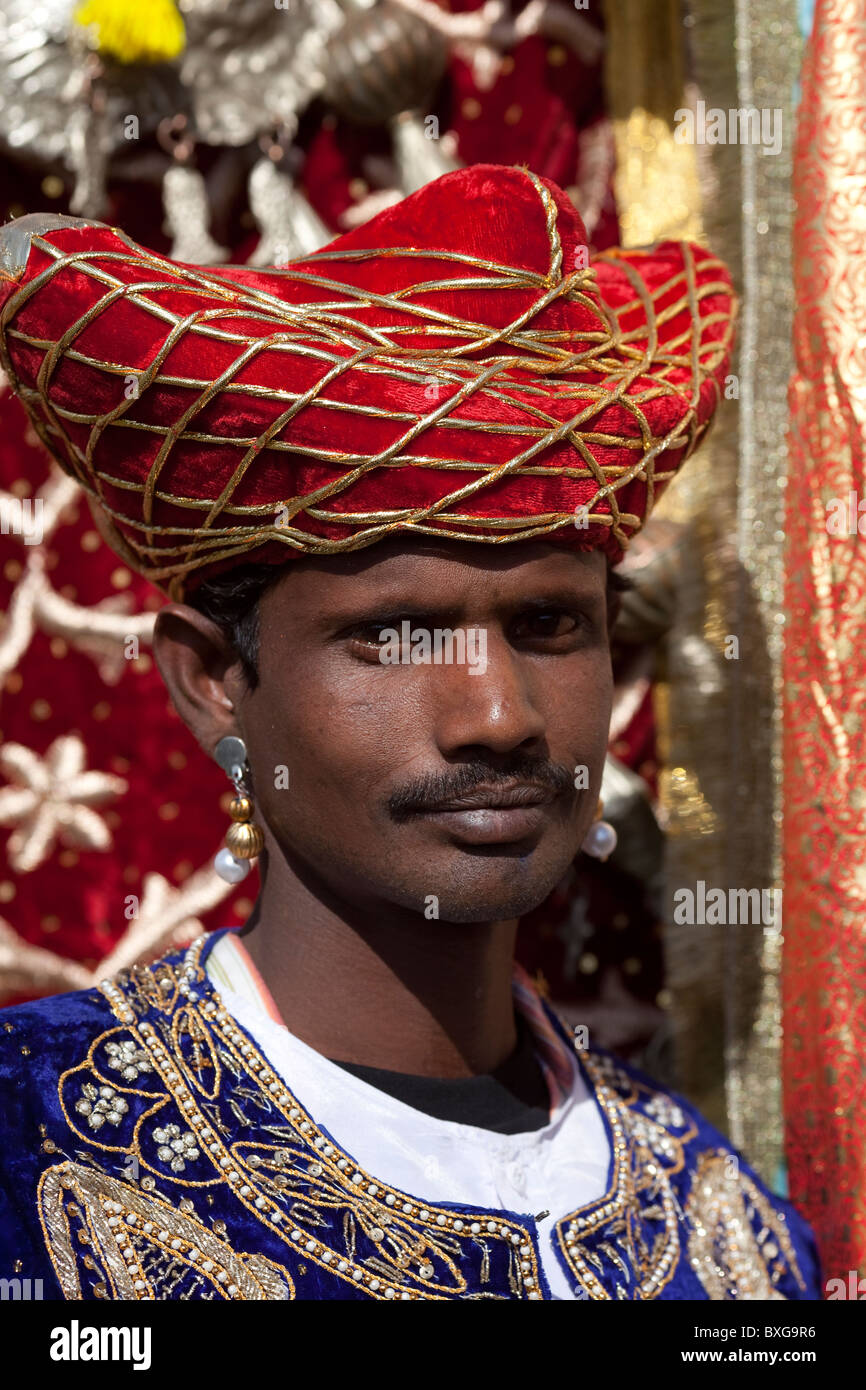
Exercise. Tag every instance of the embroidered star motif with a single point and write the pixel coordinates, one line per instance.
(100, 630)
(165, 914)
(28, 969)
(52, 798)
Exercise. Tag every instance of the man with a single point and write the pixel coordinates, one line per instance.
(385, 488)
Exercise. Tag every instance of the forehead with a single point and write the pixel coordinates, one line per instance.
(430, 570)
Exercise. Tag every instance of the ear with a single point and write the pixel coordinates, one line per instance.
(201, 671)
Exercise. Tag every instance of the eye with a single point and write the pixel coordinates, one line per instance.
(371, 634)
(369, 639)
(549, 626)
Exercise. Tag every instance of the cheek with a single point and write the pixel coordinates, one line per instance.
(342, 741)
(578, 707)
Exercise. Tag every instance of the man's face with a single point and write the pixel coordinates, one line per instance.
(441, 784)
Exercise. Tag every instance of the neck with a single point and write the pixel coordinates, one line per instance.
(386, 989)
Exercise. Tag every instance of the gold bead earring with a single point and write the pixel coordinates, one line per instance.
(244, 839)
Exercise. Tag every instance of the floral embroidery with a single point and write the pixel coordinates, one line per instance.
(654, 1137)
(128, 1058)
(614, 1075)
(662, 1108)
(176, 1148)
(101, 1106)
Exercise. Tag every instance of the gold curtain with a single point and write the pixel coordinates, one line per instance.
(719, 714)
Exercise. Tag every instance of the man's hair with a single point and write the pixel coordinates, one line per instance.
(231, 600)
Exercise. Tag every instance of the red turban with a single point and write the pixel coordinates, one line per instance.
(454, 367)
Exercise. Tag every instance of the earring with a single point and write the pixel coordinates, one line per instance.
(244, 839)
(600, 839)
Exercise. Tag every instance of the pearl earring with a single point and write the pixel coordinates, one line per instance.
(600, 839)
(244, 839)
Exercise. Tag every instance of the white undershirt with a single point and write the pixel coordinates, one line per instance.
(557, 1169)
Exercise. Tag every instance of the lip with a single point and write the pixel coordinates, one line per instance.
(494, 815)
(495, 799)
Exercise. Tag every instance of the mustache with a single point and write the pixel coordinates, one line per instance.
(423, 793)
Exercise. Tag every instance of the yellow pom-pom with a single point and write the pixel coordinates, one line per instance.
(131, 32)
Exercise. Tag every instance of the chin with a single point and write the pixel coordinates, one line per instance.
(497, 886)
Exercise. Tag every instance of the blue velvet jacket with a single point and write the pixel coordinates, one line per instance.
(149, 1151)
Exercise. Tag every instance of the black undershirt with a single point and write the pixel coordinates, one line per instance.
(510, 1100)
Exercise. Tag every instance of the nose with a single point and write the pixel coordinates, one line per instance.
(496, 709)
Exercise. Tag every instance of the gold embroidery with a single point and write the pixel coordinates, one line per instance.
(196, 1053)
(650, 1135)
(727, 1256)
(190, 1080)
(417, 1244)
(123, 1226)
(640, 1193)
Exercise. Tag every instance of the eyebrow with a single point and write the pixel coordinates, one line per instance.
(391, 607)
